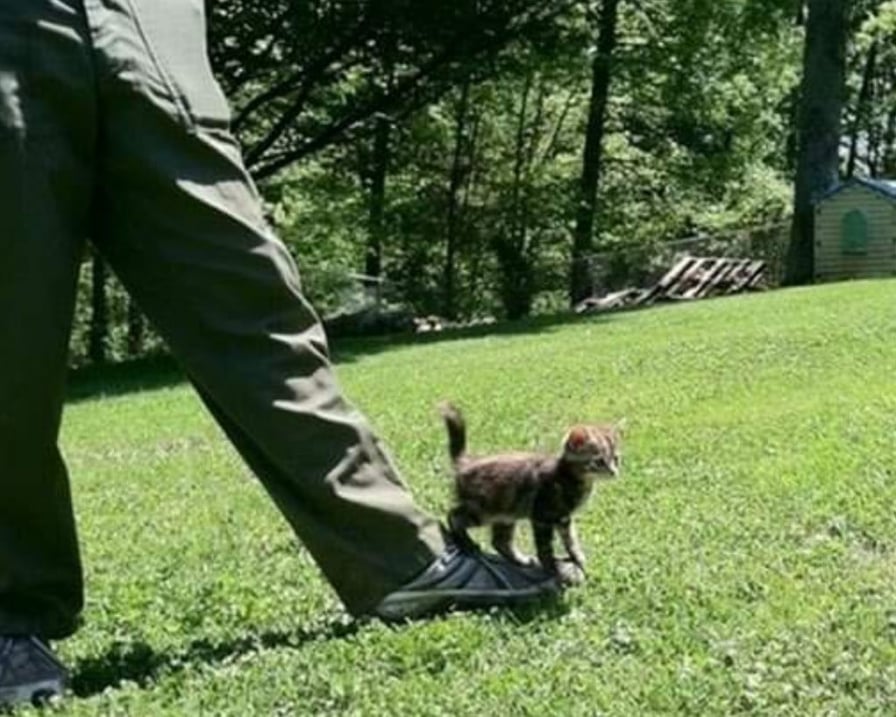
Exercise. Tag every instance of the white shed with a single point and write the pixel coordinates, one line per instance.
(855, 230)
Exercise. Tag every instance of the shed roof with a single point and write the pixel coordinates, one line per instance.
(886, 187)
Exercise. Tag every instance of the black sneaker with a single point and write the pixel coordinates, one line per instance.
(29, 672)
(464, 580)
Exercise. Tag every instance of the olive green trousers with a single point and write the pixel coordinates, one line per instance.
(112, 128)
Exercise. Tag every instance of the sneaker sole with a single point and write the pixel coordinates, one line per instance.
(417, 603)
(31, 693)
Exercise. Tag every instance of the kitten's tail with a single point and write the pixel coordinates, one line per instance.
(457, 430)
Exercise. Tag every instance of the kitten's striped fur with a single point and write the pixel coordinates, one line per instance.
(500, 490)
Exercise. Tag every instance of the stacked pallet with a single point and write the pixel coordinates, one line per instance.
(691, 278)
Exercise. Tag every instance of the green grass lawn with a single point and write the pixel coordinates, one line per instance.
(744, 564)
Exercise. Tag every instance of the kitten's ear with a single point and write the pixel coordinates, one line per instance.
(576, 438)
(621, 426)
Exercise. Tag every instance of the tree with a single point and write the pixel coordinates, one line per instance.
(304, 73)
(821, 107)
(462, 153)
(862, 109)
(376, 232)
(601, 78)
(871, 115)
(459, 170)
(99, 318)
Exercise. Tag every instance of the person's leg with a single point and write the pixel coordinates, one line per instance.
(47, 128)
(181, 224)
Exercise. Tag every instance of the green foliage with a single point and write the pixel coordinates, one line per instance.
(320, 213)
(117, 342)
(697, 144)
(742, 565)
(306, 72)
(873, 65)
(700, 137)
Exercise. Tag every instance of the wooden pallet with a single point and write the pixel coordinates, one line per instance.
(691, 278)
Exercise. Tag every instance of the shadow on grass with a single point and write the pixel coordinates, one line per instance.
(147, 374)
(163, 371)
(142, 665)
(550, 608)
(347, 350)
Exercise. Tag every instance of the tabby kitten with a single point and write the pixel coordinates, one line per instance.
(499, 490)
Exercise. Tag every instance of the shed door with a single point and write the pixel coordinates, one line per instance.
(855, 233)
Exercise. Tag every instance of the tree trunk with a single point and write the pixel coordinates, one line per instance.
(455, 184)
(373, 263)
(888, 161)
(583, 240)
(517, 268)
(99, 318)
(511, 243)
(136, 329)
(863, 104)
(821, 107)
(478, 250)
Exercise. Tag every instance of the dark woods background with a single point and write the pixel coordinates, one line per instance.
(504, 157)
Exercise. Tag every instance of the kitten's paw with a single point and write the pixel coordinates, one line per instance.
(569, 574)
(516, 557)
(527, 561)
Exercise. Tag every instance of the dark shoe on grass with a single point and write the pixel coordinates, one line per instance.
(461, 580)
(29, 672)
